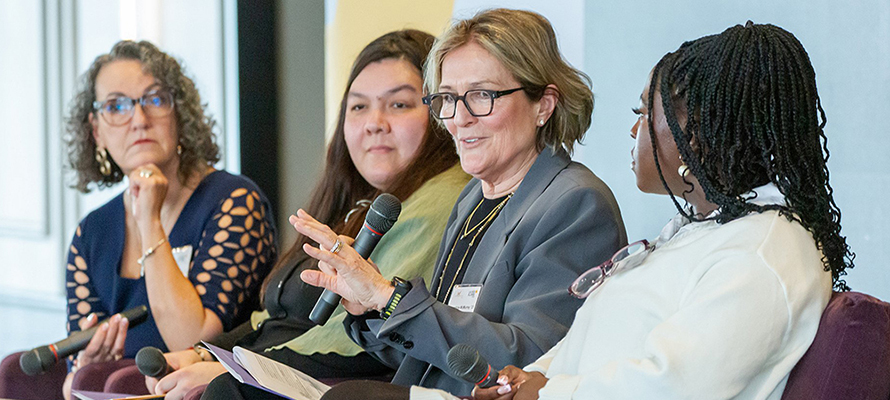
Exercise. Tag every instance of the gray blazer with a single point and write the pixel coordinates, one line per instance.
(561, 221)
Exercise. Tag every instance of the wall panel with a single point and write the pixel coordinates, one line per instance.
(47, 45)
(23, 156)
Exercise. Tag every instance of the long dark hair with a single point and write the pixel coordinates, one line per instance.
(755, 116)
(341, 185)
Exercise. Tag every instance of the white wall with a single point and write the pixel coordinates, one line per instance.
(848, 45)
(617, 43)
(47, 45)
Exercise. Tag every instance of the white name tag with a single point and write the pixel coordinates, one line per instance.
(463, 297)
(183, 257)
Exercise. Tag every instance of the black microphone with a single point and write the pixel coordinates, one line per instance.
(150, 361)
(384, 212)
(40, 359)
(466, 363)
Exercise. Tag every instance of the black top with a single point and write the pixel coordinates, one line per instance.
(471, 232)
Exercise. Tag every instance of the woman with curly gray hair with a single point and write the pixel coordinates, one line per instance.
(191, 242)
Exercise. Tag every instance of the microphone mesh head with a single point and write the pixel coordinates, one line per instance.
(36, 361)
(384, 212)
(151, 362)
(466, 363)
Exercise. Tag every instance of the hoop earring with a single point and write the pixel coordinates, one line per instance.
(683, 170)
(102, 159)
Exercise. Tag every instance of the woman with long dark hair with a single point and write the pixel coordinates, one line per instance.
(385, 141)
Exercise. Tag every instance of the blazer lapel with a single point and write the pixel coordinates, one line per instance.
(548, 164)
(464, 207)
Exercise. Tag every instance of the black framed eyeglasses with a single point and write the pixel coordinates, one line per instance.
(627, 257)
(479, 102)
(118, 111)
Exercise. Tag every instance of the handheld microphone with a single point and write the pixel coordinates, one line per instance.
(40, 359)
(150, 361)
(382, 214)
(466, 363)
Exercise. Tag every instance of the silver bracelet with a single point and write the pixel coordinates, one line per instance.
(145, 255)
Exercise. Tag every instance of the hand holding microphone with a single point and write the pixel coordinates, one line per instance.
(175, 374)
(344, 268)
(102, 341)
(464, 362)
(151, 362)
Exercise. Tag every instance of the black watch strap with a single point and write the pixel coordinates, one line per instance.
(402, 287)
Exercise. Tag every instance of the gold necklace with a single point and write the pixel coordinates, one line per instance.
(479, 228)
(467, 230)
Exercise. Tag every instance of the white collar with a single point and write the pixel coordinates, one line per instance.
(763, 195)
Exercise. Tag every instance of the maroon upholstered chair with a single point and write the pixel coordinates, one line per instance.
(850, 356)
(92, 377)
(126, 380)
(14, 384)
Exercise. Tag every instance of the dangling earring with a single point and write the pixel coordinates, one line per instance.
(102, 159)
(683, 170)
(178, 149)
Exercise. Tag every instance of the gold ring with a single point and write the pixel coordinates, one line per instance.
(145, 173)
(336, 247)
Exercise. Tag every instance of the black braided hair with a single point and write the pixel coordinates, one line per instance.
(756, 118)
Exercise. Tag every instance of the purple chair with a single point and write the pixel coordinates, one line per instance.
(850, 356)
(126, 380)
(14, 384)
(92, 377)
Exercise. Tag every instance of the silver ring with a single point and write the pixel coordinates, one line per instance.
(145, 173)
(336, 247)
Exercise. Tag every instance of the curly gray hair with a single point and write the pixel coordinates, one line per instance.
(194, 126)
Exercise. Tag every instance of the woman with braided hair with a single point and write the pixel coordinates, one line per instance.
(728, 298)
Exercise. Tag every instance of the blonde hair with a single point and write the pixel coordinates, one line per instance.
(524, 42)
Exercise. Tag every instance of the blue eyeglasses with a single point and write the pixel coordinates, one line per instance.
(117, 111)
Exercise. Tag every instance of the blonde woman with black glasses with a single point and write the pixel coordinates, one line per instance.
(526, 226)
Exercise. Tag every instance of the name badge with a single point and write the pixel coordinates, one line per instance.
(464, 297)
(183, 257)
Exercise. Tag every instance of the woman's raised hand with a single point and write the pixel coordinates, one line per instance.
(148, 187)
(345, 272)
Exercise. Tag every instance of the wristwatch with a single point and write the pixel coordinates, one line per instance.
(402, 287)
